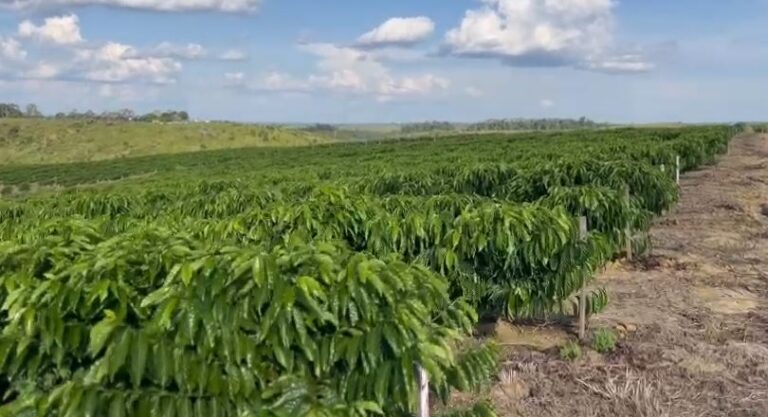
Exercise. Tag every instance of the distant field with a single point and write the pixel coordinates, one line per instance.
(36, 141)
(283, 164)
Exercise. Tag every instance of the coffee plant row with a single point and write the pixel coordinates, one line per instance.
(310, 281)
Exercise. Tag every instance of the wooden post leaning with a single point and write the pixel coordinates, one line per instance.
(583, 295)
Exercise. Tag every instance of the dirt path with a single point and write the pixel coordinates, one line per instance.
(695, 308)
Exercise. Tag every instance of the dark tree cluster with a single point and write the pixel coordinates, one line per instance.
(430, 126)
(321, 128)
(12, 110)
(501, 125)
(164, 116)
(532, 124)
(127, 115)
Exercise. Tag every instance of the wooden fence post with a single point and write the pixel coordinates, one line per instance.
(628, 229)
(663, 171)
(677, 169)
(423, 379)
(583, 295)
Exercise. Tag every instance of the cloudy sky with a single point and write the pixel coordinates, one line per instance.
(393, 60)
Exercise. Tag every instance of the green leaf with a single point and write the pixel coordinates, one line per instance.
(101, 331)
(139, 351)
(117, 406)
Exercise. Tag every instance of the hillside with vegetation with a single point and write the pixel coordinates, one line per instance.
(29, 137)
(35, 141)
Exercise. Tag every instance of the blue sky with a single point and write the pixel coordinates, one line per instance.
(394, 60)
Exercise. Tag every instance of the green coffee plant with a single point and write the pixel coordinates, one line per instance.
(156, 322)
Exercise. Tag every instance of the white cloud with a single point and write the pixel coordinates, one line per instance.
(347, 80)
(578, 33)
(115, 62)
(474, 92)
(234, 76)
(281, 82)
(62, 30)
(234, 79)
(347, 70)
(612, 64)
(127, 93)
(160, 5)
(398, 31)
(109, 62)
(410, 86)
(188, 51)
(11, 50)
(351, 70)
(44, 70)
(546, 103)
(398, 55)
(233, 55)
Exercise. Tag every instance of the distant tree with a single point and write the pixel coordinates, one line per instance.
(127, 114)
(8, 110)
(531, 124)
(501, 125)
(32, 111)
(427, 127)
(321, 128)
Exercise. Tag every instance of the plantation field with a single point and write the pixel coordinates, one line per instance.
(689, 316)
(287, 166)
(35, 141)
(314, 280)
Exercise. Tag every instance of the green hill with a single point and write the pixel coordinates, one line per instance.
(40, 141)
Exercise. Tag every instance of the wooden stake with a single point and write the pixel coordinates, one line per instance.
(663, 171)
(677, 169)
(628, 230)
(583, 296)
(423, 378)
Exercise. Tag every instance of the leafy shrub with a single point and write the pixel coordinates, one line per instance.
(604, 340)
(570, 351)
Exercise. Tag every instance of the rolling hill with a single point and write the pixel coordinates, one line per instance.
(42, 141)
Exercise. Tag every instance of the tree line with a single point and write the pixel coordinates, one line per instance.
(8, 110)
(11, 110)
(501, 125)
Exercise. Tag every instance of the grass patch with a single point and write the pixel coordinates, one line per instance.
(604, 340)
(570, 351)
